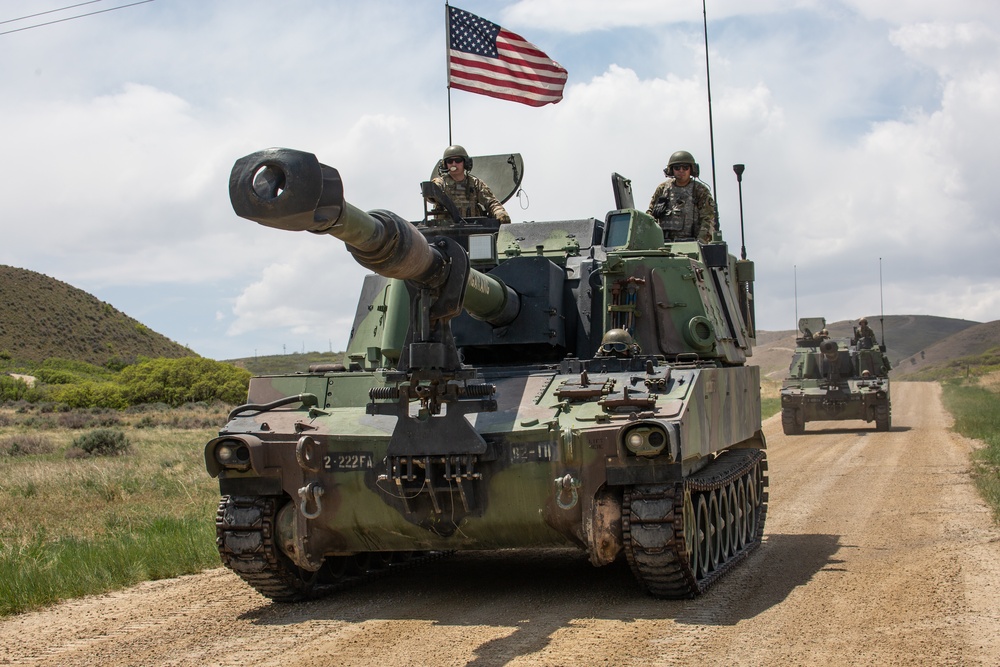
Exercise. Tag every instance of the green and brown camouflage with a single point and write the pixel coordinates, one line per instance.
(835, 379)
(473, 413)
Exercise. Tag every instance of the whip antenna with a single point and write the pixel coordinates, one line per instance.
(711, 132)
(881, 302)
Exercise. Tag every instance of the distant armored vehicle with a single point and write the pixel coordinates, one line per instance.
(539, 384)
(833, 379)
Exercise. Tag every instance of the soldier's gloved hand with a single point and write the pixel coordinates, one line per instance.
(503, 217)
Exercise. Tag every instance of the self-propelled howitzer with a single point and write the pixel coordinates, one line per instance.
(594, 394)
(832, 379)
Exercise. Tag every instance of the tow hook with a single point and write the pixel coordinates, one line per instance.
(311, 492)
(567, 483)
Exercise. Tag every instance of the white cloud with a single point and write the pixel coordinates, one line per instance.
(866, 129)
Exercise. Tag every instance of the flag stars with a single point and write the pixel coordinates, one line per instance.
(473, 34)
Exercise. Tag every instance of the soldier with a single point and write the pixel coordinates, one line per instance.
(683, 207)
(472, 197)
(865, 335)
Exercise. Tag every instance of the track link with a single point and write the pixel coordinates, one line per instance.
(680, 538)
(245, 536)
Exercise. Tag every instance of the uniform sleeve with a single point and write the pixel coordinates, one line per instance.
(436, 210)
(706, 214)
(491, 203)
(656, 195)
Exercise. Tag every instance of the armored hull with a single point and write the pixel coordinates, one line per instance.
(510, 426)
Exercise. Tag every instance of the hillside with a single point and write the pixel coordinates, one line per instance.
(905, 336)
(279, 364)
(972, 342)
(41, 318)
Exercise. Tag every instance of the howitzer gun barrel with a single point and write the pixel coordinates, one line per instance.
(291, 190)
(829, 349)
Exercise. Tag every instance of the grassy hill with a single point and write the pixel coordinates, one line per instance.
(976, 348)
(42, 318)
(905, 336)
(279, 364)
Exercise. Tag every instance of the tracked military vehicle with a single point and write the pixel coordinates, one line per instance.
(835, 379)
(575, 383)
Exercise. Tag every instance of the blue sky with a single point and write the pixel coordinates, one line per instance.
(867, 129)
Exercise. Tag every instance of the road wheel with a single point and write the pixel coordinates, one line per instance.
(792, 422)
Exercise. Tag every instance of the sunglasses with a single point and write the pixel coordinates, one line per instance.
(454, 160)
(685, 167)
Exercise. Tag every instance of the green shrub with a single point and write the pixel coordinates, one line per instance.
(79, 369)
(103, 442)
(25, 444)
(92, 394)
(116, 364)
(55, 376)
(184, 380)
(12, 389)
(73, 420)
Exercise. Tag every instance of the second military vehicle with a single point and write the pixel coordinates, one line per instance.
(835, 379)
(538, 384)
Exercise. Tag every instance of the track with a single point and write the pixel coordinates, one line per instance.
(680, 538)
(876, 551)
(245, 535)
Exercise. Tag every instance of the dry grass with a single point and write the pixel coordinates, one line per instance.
(48, 494)
(770, 388)
(990, 381)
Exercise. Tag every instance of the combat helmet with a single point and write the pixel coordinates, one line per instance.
(457, 151)
(617, 343)
(682, 157)
(863, 320)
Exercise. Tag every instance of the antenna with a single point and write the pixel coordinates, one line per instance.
(795, 284)
(738, 168)
(711, 132)
(881, 302)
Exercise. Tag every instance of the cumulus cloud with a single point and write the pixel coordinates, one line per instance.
(866, 129)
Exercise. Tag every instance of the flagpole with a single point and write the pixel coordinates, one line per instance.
(447, 63)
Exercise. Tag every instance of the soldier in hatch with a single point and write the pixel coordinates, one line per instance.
(682, 206)
(472, 197)
(865, 335)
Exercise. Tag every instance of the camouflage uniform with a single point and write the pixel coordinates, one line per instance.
(684, 212)
(866, 337)
(472, 197)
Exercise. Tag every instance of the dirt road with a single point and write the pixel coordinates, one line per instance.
(877, 552)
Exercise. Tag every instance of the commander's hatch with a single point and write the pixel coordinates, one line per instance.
(623, 192)
(502, 173)
(812, 325)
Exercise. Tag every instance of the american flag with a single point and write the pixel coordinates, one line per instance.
(486, 59)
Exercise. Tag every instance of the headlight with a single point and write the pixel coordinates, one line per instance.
(646, 440)
(233, 454)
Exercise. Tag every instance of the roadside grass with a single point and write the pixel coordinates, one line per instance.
(79, 525)
(770, 398)
(975, 406)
